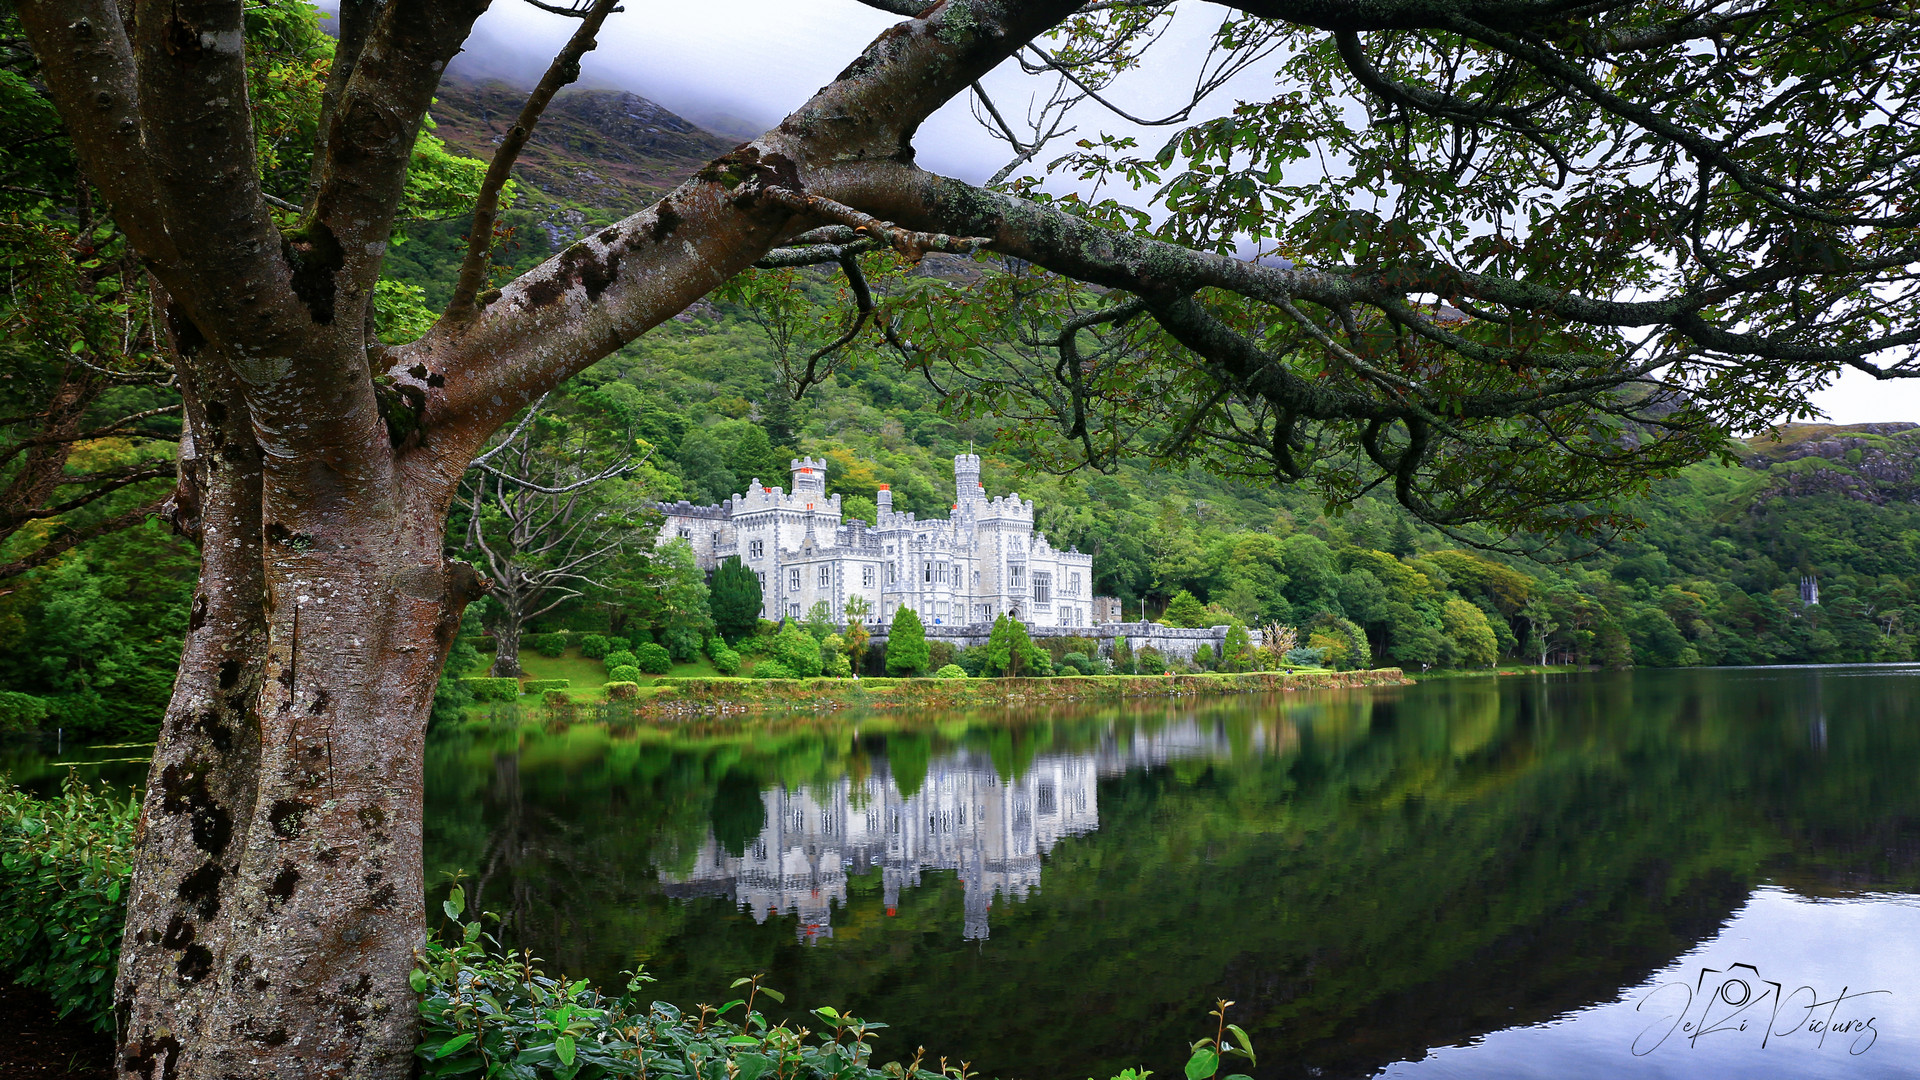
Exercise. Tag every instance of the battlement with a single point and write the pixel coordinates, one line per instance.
(685, 509)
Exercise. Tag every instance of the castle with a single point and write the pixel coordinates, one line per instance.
(981, 562)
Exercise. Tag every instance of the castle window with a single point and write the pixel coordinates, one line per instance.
(762, 575)
(1016, 576)
(866, 576)
(1042, 587)
(793, 611)
(826, 576)
(1073, 584)
(976, 579)
(926, 572)
(893, 574)
(686, 534)
(793, 580)
(756, 549)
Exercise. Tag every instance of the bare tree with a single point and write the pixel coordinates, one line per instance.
(545, 516)
(1568, 250)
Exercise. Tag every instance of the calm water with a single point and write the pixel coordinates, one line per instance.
(1664, 874)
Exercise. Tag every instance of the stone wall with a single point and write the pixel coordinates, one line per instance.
(1172, 642)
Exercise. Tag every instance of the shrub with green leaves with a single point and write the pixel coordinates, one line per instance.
(489, 689)
(618, 658)
(552, 645)
(1079, 662)
(771, 669)
(487, 1013)
(951, 671)
(652, 659)
(64, 864)
(1148, 661)
(20, 712)
(594, 646)
(541, 686)
(624, 673)
(622, 691)
(726, 661)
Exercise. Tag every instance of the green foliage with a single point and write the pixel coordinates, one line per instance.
(725, 661)
(452, 695)
(652, 659)
(735, 599)
(541, 686)
(833, 658)
(1148, 661)
(819, 620)
(1077, 662)
(629, 672)
(619, 658)
(552, 645)
(64, 864)
(951, 671)
(1123, 660)
(1186, 610)
(489, 689)
(1237, 652)
(489, 1013)
(1203, 657)
(622, 691)
(906, 644)
(20, 712)
(1010, 651)
(798, 652)
(594, 646)
(772, 669)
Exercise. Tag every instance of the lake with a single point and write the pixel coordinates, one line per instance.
(1702, 873)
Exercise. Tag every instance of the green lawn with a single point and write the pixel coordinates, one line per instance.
(587, 678)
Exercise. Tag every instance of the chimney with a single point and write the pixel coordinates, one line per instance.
(885, 499)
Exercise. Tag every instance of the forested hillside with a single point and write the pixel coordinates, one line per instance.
(1722, 573)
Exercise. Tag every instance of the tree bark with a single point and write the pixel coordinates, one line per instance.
(277, 895)
(506, 637)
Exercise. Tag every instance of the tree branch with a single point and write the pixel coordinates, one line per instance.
(564, 69)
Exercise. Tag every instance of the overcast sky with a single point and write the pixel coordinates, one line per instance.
(738, 66)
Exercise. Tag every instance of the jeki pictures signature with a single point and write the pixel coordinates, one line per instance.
(1736, 1003)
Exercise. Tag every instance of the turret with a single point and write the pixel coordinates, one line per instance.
(966, 479)
(885, 500)
(809, 478)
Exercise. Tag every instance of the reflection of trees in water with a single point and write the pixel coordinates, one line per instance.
(1393, 870)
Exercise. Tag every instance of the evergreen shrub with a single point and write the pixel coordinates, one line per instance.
(622, 691)
(541, 686)
(771, 669)
(951, 671)
(624, 673)
(594, 646)
(490, 689)
(622, 657)
(726, 661)
(552, 645)
(652, 659)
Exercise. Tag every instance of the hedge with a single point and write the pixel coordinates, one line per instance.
(622, 691)
(541, 686)
(486, 689)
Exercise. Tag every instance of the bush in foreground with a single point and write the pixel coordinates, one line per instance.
(541, 686)
(484, 1012)
(653, 659)
(951, 671)
(64, 864)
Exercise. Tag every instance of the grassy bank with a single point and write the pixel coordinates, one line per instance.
(669, 695)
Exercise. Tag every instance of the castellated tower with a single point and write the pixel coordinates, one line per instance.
(966, 479)
(809, 478)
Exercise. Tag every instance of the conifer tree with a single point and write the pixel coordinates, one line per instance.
(735, 600)
(906, 644)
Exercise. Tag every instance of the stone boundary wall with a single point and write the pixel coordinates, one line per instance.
(1172, 642)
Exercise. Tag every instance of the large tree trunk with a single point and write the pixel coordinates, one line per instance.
(277, 897)
(506, 638)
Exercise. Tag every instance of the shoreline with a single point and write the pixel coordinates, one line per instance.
(680, 696)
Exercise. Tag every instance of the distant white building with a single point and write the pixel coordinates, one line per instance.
(983, 561)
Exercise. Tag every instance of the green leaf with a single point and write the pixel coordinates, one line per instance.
(1246, 1044)
(453, 1046)
(455, 904)
(752, 1066)
(1202, 1064)
(564, 1047)
(777, 996)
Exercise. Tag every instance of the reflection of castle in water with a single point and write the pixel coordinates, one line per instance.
(964, 818)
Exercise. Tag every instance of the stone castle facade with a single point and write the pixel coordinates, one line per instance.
(982, 561)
